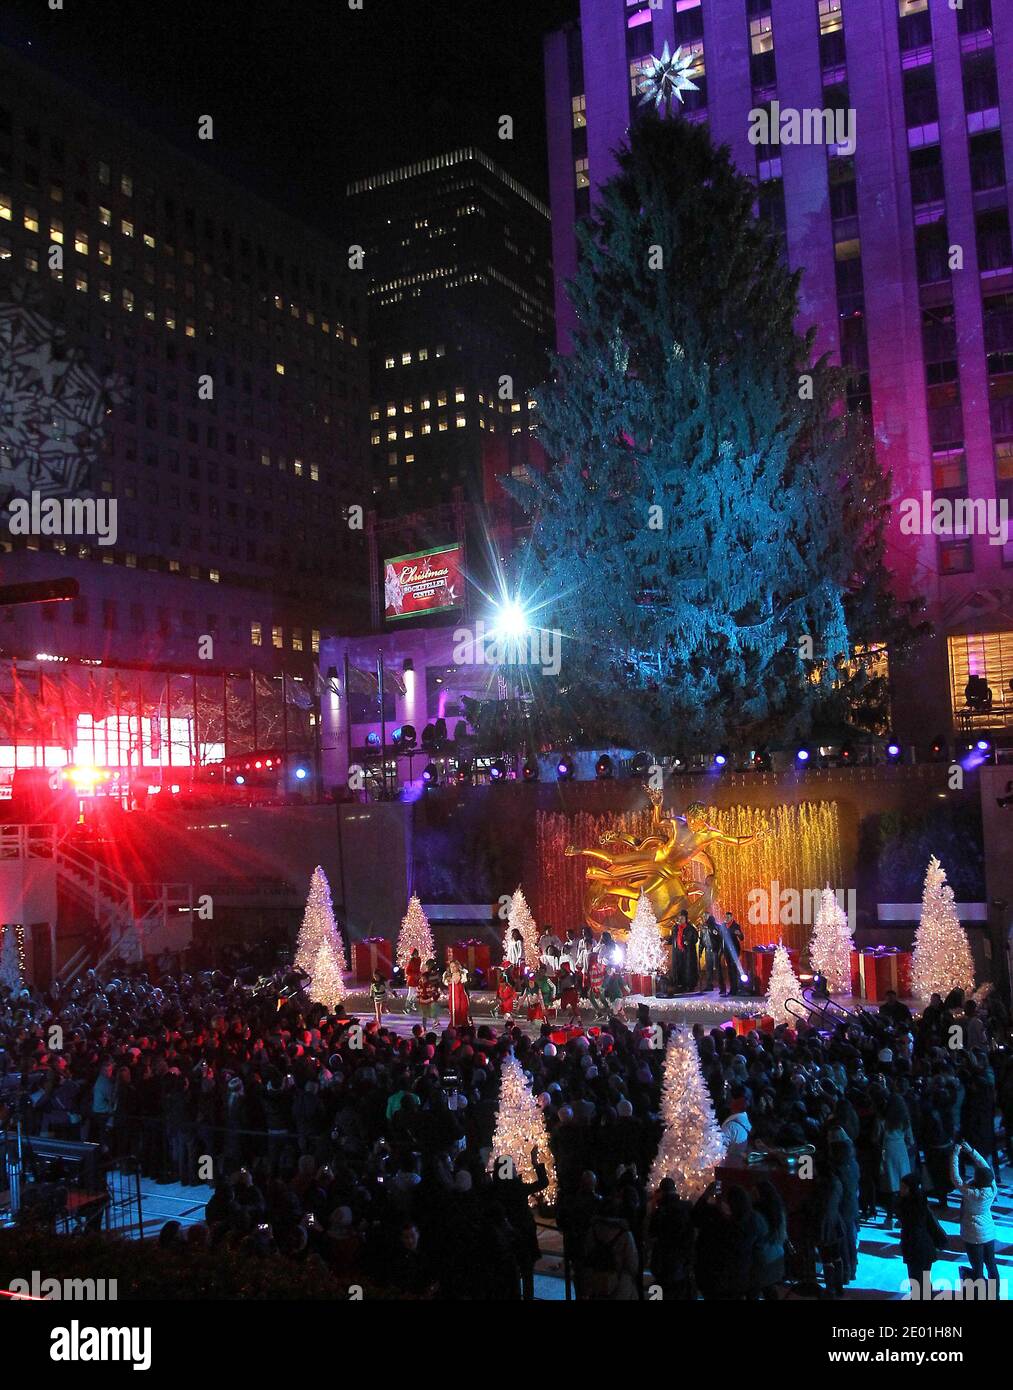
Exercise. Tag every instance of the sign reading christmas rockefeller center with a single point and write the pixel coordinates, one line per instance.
(428, 581)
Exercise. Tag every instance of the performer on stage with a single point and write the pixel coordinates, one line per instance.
(429, 993)
(506, 997)
(455, 978)
(412, 975)
(515, 954)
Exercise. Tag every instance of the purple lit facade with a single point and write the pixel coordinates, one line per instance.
(872, 232)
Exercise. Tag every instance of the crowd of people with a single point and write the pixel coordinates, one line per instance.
(329, 1138)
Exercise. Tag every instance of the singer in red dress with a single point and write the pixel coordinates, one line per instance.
(455, 979)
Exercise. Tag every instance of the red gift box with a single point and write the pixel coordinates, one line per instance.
(762, 962)
(641, 984)
(743, 1026)
(472, 954)
(876, 969)
(370, 954)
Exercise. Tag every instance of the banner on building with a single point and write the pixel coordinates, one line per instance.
(428, 581)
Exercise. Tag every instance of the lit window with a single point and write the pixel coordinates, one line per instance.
(128, 299)
(374, 414)
(388, 362)
(442, 425)
(314, 473)
(830, 16)
(297, 639)
(279, 367)
(391, 409)
(458, 396)
(105, 291)
(104, 173)
(409, 433)
(149, 241)
(409, 458)
(31, 219)
(515, 406)
(392, 436)
(406, 359)
(297, 467)
(81, 243)
(256, 635)
(126, 186)
(170, 319)
(761, 34)
(581, 172)
(126, 227)
(441, 399)
(215, 576)
(105, 217)
(424, 403)
(105, 253)
(460, 421)
(56, 231)
(276, 637)
(315, 639)
(579, 107)
(423, 354)
(81, 282)
(374, 439)
(191, 329)
(441, 351)
(6, 207)
(427, 428)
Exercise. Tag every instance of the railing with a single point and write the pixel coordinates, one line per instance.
(27, 841)
(90, 1193)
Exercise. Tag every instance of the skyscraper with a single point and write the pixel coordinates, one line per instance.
(880, 137)
(224, 348)
(460, 305)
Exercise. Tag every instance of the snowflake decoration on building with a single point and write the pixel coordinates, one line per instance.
(666, 77)
(53, 404)
(393, 590)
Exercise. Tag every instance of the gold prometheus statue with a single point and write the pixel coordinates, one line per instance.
(660, 865)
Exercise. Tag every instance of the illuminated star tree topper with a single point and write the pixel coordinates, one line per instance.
(667, 77)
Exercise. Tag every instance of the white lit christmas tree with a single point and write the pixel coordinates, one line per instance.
(691, 1143)
(318, 930)
(519, 916)
(10, 959)
(415, 934)
(645, 952)
(327, 985)
(520, 1127)
(831, 944)
(942, 956)
(782, 986)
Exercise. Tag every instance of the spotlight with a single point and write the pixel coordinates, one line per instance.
(802, 755)
(430, 774)
(405, 736)
(721, 757)
(530, 771)
(498, 770)
(240, 781)
(301, 774)
(603, 767)
(984, 746)
(640, 765)
(509, 620)
(893, 751)
(564, 768)
(373, 739)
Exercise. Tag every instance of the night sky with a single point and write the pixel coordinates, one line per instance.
(307, 94)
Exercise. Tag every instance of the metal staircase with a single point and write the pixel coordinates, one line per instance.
(127, 914)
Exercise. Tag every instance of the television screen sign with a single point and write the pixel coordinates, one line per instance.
(428, 581)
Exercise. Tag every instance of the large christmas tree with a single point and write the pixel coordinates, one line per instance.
(831, 944)
(320, 950)
(645, 951)
(942, 955)
(707, 507)
(692, 1143)
(519, 916)
(520, 1126)
(415, 934)
(782, 986)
